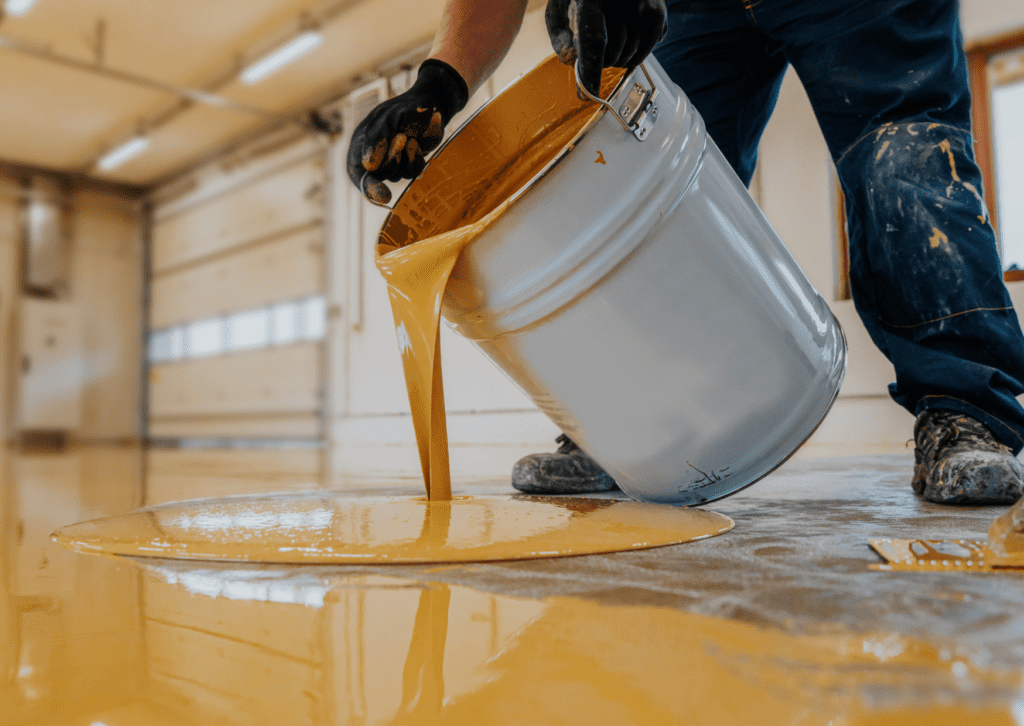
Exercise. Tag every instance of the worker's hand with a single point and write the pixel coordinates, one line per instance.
(390, 143)
(604, 34)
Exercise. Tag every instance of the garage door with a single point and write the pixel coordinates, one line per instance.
(236, 306)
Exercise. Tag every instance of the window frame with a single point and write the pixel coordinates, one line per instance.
(979, 55)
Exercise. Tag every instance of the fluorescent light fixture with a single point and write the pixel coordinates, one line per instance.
(122, 153)
(284, 55)
(18, 7)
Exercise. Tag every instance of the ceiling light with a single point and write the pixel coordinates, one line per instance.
(122, 153)
(18, 7)
(284, 55)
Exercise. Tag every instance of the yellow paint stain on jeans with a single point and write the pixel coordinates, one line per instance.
(938, 238)
(947, 149)
(881, 151)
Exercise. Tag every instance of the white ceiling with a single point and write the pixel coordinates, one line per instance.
(57, 116)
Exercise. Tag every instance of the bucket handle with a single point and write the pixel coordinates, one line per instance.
(638, 113)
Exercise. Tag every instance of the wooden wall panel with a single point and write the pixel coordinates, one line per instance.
(282, 269)
(274, 380)
(282, 200)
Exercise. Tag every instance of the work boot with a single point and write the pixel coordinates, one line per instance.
(569, 471)
(957, 460)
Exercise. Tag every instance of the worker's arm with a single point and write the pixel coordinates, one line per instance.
(475, 35)
(390, 143)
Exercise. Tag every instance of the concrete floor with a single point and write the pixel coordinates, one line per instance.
(779, 621)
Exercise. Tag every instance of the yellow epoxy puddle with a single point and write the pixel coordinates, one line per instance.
(326, 528)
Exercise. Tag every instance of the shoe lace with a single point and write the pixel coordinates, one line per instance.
(566, 445)
(945, 429)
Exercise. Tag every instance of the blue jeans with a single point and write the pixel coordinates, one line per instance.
(888, 83)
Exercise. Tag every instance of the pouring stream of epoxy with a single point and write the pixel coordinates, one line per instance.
(480, 189)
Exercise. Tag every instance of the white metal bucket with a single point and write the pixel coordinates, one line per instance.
(638, 295)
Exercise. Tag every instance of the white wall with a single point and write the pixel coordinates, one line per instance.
(982, 18)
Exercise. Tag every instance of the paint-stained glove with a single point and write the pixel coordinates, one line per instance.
(604, 34)
(389, 144)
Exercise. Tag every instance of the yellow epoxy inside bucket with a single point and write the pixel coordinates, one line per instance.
(466, 188)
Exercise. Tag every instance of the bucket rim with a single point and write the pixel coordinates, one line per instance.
(595, 118)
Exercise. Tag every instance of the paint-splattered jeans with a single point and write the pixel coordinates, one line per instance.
(888, 83)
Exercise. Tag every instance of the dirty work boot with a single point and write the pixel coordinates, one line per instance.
(570, 471)
(957, 460)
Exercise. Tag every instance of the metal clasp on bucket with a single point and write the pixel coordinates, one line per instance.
(637, 114)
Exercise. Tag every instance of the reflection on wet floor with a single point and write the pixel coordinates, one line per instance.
(637, 638)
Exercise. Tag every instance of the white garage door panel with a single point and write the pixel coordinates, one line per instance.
(289, 198)
(283, 269)
(267, 381)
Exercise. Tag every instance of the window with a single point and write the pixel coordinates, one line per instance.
(1008, 155)
(279, 324)
(312, 318)
(205, 337)
(285, 322)
(997, 83)
(249, 329)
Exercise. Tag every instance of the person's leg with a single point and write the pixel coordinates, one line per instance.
(888, 84)
(729, 70)
(731, 73)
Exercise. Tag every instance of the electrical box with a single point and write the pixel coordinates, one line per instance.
(52, 366)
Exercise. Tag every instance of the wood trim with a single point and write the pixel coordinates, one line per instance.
(981, 121)
(842, 248)
(996, 44)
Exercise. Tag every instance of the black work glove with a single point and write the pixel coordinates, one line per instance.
(604, 34)
(389, 144)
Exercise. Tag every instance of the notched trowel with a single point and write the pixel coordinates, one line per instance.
(1003, 550)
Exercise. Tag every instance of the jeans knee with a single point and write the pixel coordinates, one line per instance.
(921, 221)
